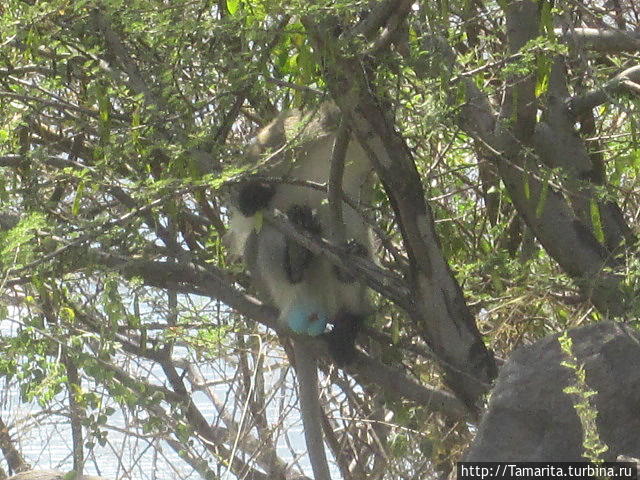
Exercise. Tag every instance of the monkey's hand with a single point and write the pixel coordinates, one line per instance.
(353, 247)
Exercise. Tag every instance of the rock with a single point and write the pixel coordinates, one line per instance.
(530, 418)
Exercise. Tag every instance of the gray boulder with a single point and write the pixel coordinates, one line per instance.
(530, 418)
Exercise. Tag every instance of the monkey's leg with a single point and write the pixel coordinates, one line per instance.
(342, 338)
(297, 258)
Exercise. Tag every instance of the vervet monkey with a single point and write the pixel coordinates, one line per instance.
(309, 291)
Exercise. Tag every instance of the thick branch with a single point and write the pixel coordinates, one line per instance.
(189, 279)
(310, 408)
(436, 303)
(565, 238)
(334, 188)
(626, 80)
(519, 106)
(12, 455)
(601, 39)
(558, 145)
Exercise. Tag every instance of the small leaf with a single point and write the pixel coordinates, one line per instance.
(543, 194)
(542, 75)
(233, 6)
(77, 199)
(259, 220)
(395, 330)
(596, 222)
(527, 191)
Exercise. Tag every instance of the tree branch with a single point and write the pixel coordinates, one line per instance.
(194, 280)
(606, 40)
(310, 409)
(436, 303)
(12, 455)
(626, 80)
(565, 238)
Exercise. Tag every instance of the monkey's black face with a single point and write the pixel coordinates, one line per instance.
(254, 196)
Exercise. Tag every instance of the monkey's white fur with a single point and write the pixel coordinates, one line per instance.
(303, 146)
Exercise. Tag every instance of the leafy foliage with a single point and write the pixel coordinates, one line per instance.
(121, 123)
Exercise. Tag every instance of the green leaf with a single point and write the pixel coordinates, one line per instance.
(77, 199)
(596, 221)
(259, 220)
(543, 74)
(543, 194)
(233, 6)
(527, 191)
(395, 330)
(20, 238)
